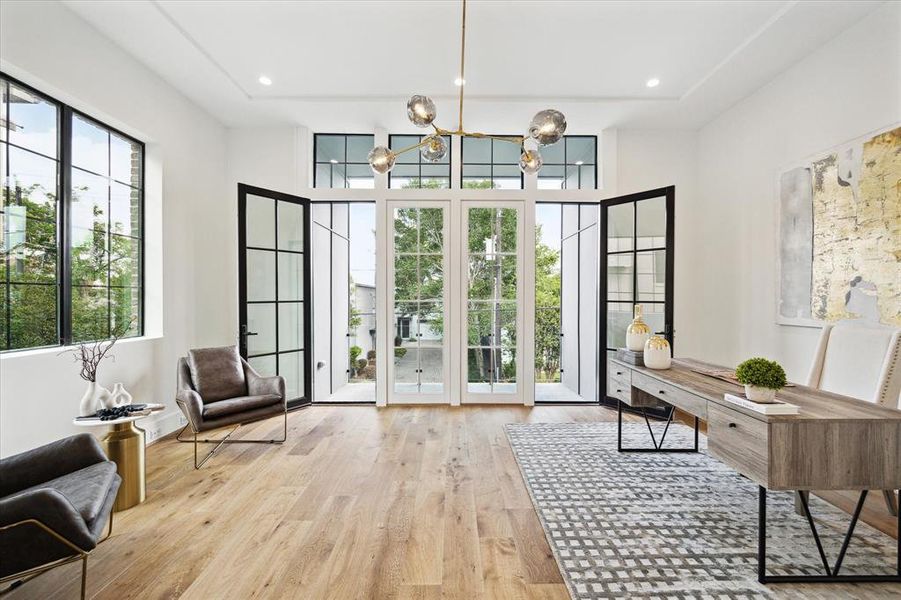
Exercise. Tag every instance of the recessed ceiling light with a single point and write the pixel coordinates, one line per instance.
(265, 80)
(653, 82)
(459, 81)
(333, 161)
(579, 163)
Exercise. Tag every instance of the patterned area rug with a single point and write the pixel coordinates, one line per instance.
(676, 526)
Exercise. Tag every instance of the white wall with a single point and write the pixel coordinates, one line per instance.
(847, 88)
(648, 159)
(47, 46)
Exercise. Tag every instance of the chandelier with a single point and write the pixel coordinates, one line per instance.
(547, 127)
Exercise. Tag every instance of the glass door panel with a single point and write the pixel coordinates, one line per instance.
(274, 285)
(418, 371)
(491, 298)
(637, 233)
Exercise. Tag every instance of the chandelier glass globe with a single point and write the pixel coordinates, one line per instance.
(421, 111)
(435, 149)
(381, 159)
(547, 127)
(530, 161)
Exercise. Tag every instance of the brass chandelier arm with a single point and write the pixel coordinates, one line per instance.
(413, 147)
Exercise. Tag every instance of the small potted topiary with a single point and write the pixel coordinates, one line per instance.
(762, 378)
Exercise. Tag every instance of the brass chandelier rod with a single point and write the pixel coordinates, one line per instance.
(462, 65)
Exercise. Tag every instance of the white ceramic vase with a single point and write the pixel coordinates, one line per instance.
(95, 397)
(120, 396)
(638, 332)
(760, 394)
(657, 353)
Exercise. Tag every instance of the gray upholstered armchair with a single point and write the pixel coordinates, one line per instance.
(54, 503)
(217, 388)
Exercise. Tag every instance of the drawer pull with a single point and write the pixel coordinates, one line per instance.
(661, 392)
(619, 372)
(732, 425)
(619, 391)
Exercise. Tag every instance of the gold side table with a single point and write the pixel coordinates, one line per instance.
(124, 445)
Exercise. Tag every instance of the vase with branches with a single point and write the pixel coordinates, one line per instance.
(89, 355)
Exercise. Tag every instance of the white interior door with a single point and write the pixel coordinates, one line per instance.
(418, 365)
(491, 297)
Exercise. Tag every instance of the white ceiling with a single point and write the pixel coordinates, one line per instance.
(350, 65)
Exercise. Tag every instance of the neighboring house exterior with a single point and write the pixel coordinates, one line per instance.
(363, 302)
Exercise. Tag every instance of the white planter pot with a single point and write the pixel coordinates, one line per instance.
(657, 353)
(95, 398)
(120, 396)
(760, 394)
(636, 341)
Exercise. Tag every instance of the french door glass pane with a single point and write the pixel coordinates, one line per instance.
(260, 275)
(260, 227)
(290, 366)
(619, 315)
(620, 227)
(619, 277)
(651, 275)
(264, 365)
(290, 226)
(290, 276)
(431, 234)
(290, 326)
(651, 223)
(492, 292)
(418, 294)
(261, 321)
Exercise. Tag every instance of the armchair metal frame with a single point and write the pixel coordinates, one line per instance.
(226, 440)
(23, 577)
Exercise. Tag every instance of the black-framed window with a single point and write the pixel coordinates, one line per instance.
(341, 160)
(71, 220)
(490, 164)
(570, 164)
(413, 171)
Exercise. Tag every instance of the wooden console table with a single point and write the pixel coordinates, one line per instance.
(834, 443)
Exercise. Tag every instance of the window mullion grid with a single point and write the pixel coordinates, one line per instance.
(64, 220)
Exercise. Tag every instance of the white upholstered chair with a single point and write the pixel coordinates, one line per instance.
(861, 360)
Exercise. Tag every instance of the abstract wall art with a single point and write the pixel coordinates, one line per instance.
(840, 234)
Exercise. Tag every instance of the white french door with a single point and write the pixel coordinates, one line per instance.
(418, 365)
(491, 298)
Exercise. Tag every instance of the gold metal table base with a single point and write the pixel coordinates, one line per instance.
(124, 445)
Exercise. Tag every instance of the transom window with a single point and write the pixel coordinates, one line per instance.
(71, 224)
(491, 164)
(412, 171)
(570, 164)
(341, 160)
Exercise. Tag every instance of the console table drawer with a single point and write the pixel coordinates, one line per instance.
(740, 441)
(619, 388)
(670, 394)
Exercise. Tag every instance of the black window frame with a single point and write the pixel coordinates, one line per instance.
(565, 164)
(317, 162)
(491, 164)
(65, 117)
(421, 161)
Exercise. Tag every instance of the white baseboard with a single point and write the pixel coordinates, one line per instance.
(162, 425)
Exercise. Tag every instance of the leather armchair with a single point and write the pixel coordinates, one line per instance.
(55, 501)
(217, 388)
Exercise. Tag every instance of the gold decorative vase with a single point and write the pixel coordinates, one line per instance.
(638, 332)
(657, 353)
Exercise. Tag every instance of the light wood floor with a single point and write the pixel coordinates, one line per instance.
(398, 503)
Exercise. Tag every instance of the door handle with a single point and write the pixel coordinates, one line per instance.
(250, 333)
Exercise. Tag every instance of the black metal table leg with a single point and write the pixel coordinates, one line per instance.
(657, 446)
(832, 573)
